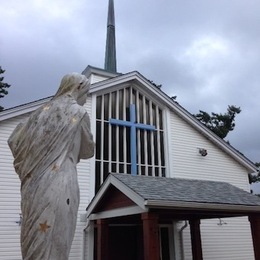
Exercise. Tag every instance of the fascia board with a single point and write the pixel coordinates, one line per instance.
(137, 199)
(111, 180)
(200, 206)
(99, 195)
(104, 84)
(125, 211)
(22, 109)
(179, 110)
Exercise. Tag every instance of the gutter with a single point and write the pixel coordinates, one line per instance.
(184, 205)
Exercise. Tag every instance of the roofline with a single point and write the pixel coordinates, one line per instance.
(22, 109)
(201, 206)
(136, 76)
(112, 180)
(183, 113)
(98, 71)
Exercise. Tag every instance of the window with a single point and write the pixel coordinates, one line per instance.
(113, 142)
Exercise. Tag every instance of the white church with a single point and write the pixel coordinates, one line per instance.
(161, 186)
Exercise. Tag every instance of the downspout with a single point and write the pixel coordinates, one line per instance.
(181, 238)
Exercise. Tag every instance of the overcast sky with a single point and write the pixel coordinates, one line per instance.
(205, 52)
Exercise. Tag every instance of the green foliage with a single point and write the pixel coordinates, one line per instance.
(220, 124)
(256, 176)
(3, 87)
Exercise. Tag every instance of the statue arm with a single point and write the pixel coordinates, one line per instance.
(14, 138)
(87, 144)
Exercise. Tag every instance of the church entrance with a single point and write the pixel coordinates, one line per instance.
(126, 242)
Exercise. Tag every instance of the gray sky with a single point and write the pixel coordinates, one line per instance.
(205, 52)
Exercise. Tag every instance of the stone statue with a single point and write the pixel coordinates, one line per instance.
(46, 149)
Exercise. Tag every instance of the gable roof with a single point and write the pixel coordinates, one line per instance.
(115, 80)
(178, 194)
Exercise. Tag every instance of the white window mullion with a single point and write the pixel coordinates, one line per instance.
(117, 132)
(138, 134)
(145, 139)
(124, 133)
(158, 142)
(152, 137)
(102, 142)
(110, 134)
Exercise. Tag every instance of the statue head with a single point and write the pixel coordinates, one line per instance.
(75, 85)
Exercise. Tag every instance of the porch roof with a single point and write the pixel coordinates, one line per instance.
(182, 198)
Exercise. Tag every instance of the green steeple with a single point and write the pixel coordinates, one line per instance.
(110, 58)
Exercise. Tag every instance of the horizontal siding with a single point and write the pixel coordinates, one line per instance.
(10, 197)
(97, 78)
(186, 162)
(230, 241)
(226, 242)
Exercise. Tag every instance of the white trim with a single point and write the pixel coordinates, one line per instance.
(167, 138)
(93, 159)
(137, 199)
(201, 206)
(155, 92)
(171, 241)
(22, 109)
(98, 196)
(126, 211)
(135, 76)
(111, 180)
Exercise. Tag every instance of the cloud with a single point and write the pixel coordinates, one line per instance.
(205, 52)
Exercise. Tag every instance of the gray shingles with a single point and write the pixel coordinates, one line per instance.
(173, 189)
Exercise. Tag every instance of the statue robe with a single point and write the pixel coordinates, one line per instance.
(46, 149)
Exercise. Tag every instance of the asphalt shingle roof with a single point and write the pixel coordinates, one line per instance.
(185, 190)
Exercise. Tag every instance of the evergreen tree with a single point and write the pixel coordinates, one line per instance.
(3, 86)
(255, 177)
(220, 124)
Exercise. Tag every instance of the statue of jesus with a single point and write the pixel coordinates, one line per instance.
(46, 149)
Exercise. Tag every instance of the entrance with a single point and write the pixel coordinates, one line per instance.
(126, 242)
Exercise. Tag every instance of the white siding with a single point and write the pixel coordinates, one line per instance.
(229, 241)
(10, 197)
(97, 78)
(186, 162)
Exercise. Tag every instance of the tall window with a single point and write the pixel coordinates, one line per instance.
(113, 142)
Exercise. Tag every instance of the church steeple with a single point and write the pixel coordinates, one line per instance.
(110, 56)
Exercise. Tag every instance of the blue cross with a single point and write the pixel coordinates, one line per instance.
(133, 126)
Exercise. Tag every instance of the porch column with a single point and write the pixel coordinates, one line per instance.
(196, 239)
(151, 236)
(255, 230)
(102, 239)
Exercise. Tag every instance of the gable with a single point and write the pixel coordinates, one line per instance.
(115, 199)
(153, 93)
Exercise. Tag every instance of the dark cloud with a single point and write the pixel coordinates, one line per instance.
(205, 52)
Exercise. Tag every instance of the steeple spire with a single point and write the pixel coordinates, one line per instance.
(110, 58)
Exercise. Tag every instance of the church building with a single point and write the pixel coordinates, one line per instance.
(161, 186)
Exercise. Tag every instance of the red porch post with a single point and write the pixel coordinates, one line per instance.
(196, 239)
(255, 230)
(102, 239)
(151, 236)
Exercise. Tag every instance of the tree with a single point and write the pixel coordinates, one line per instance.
(3, 87)
(220, 124)
(256, 176)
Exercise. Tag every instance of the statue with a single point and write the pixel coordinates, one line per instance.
(46, 149)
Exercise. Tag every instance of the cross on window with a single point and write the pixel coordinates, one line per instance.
(133, 126)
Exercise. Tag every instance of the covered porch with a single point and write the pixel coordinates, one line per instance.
(129, 210)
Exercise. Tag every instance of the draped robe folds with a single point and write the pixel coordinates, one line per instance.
(46, 149)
